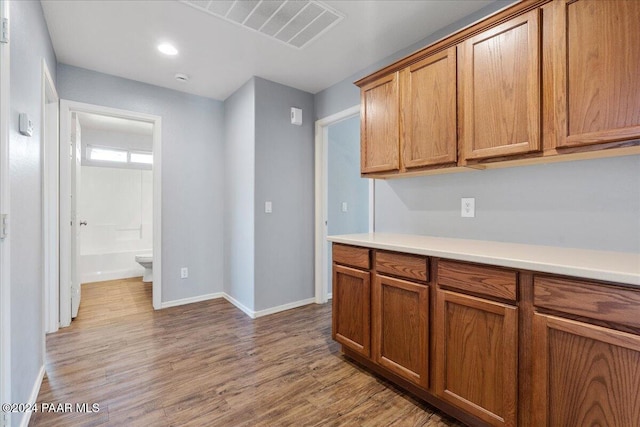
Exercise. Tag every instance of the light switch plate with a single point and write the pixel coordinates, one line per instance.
(268, 207)
(345, 207)
(468, 207)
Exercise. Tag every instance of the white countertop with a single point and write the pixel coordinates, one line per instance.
(620, 267)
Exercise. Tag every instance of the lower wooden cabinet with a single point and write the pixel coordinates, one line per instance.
(400, 328)
(492, 346)
(476, 356)
(352, 308)
(584, 375)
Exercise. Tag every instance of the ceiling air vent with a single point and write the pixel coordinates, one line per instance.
(293, 22)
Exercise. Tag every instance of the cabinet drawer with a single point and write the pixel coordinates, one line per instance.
(352, 255)
(489, 281)
(587, 299)
(402, 265)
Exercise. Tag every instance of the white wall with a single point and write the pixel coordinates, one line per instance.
(117, 205)
(192, 173)
(30, 43)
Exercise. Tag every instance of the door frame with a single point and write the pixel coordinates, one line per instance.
(66, 108)
(5, 277)
(322, 293)
(50, 228)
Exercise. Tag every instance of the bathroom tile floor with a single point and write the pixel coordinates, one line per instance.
(208, 364)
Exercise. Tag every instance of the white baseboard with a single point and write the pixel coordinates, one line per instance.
(251, 313)
(33, 397)
(191, 300)
(330, 295)
(284, 307)
(241, 306)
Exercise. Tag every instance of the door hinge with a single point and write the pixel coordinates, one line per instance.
(5, 420)
(4, 226)
(4, 33)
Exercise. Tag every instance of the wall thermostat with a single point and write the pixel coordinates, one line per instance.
(296, 116)
(26, 125)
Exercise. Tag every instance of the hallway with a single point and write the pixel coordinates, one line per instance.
(208, 364)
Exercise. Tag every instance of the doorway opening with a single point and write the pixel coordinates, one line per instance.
(110, 223)
(344, 200)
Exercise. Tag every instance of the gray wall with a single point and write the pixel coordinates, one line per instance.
(592, 204)
(284, 175)
(29, 44)
(344, 181)
(192, 173)
(239, 155)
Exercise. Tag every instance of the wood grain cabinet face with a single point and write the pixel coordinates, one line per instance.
(352, 308)
(500, 89)
(476, 350)
(584, 375)
(598, 87)
(429, 119)
(400, 312)
(379, 122)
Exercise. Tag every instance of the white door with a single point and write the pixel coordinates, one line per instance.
(76, 156)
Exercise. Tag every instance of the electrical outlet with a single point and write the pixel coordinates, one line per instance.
(345, 207)
(184, 272)
(468, 207)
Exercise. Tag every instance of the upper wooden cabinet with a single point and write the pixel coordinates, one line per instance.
(540, 81)
(429, 134)
(598, 86)
(500, 89)
(379, 134)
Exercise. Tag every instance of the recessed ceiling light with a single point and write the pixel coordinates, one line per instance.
(167, 49)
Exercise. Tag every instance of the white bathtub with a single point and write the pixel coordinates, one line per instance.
(110, 266)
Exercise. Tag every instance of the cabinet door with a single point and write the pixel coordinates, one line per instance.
(380, 126)
(598, 56)
(351, 308)
(584, 375)
(429, 118)
(401, 328)
(476, 365)
(500, 95)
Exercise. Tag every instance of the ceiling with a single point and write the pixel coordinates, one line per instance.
(120, 38)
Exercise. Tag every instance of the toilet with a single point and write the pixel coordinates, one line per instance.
(146, 260)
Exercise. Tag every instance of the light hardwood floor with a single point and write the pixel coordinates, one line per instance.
(208, 364)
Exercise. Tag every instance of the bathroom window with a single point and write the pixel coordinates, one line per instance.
(140, 157)
(107, 154)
